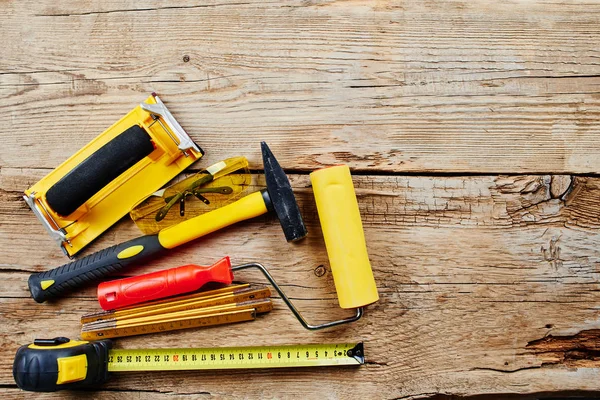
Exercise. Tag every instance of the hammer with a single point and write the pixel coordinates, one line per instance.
(277, 198)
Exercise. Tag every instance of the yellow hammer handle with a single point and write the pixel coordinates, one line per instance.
(247, 207)
(344, 236)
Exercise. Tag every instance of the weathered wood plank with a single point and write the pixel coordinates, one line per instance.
(419, 86)
(474, 272)
(489, 284)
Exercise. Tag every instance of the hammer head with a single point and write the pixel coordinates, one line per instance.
(282, 197)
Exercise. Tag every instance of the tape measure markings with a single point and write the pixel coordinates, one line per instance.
(124, 360)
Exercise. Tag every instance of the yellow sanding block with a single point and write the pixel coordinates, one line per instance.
(100, 183)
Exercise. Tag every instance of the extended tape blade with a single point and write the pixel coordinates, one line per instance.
(308, 355)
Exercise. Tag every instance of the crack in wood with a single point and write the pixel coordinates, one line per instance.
(579, 350)
(376, 363)
(149, 391)
(143, 9)
(561, 186)
(505, 371)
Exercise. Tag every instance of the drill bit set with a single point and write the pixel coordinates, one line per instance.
(196, 206)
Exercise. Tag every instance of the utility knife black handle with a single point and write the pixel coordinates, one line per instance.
(90, 269)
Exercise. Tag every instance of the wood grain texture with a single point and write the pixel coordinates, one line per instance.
(445, 86)
(472, 131)
(473, 273)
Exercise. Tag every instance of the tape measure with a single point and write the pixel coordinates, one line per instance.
(310, 355)
(50, 365)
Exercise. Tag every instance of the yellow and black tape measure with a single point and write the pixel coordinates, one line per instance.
(49, 365)
(310, 355)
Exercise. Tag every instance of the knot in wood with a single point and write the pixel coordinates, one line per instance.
(320, 270)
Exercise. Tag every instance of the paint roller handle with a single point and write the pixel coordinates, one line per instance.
(90, 269)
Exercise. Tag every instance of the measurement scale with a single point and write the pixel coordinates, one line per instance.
(49, 365)
(313, 355)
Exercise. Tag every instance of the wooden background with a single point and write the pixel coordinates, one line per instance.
(471, 128)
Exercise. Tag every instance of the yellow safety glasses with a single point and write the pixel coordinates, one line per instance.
(211, 188)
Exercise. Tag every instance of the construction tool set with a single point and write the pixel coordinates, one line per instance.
(122, 171)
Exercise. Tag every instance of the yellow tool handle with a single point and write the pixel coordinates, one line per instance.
(344, 236)
(247, 207)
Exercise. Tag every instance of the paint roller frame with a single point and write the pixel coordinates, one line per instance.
(345, 242)
(288, 302)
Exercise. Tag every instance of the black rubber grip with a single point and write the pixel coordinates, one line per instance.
(90, 269)
(98, 170)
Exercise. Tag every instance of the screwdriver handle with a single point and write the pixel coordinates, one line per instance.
(66, 278)
(166, 283)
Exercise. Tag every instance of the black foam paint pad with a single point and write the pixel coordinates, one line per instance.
(98, 170)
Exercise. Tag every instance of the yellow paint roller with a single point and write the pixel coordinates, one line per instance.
(345, 242)
(344, 236)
